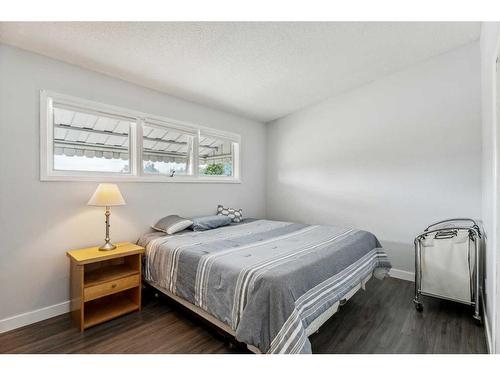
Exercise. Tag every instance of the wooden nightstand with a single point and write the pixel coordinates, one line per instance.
(105, 284)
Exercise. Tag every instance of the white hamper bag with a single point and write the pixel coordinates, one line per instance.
(446, 270)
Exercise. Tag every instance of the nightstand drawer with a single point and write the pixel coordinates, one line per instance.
(110, 287)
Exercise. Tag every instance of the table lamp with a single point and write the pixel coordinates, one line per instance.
(107, 195)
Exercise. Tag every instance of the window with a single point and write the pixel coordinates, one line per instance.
(89, 141)
(215, 156)
(84, 140)
(166, 150)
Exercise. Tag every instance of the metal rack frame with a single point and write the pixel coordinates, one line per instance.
(448, 232)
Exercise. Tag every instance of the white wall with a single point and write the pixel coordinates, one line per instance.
(490, 39)
(39, 221)
(389, 157)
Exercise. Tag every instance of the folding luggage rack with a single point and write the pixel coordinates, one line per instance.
(449, 230)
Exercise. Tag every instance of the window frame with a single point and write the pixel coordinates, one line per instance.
(138, 119)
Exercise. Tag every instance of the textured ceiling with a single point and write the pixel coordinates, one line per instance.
(260, 70)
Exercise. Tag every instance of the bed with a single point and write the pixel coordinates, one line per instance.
(270, 284)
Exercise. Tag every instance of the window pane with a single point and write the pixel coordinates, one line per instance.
(215, 156)
(166, 151)
(90, 142)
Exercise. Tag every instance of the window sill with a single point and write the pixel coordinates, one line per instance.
(175, 179)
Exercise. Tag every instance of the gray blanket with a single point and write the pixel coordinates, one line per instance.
(267, 280)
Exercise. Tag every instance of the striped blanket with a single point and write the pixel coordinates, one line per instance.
(270, 281)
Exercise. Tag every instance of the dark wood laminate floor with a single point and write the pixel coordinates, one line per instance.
(381, 319)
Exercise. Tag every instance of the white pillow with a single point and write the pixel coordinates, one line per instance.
(172, 224)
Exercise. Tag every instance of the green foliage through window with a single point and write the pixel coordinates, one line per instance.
(215, 169)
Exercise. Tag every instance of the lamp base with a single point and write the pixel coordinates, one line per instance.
(107, 246)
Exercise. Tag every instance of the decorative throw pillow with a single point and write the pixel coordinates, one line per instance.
(236, 215)
(202, 223)
(172, 224)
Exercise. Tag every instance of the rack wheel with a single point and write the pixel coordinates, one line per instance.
(419, 307)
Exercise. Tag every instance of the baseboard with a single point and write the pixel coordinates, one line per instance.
(31, 317)
(401, 274)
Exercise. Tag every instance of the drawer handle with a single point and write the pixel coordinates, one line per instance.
(113, 285)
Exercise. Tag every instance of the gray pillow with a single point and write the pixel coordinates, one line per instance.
(172, 224)
(209, 222)
(236, 214)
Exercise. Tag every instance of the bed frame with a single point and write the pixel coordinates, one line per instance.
(202, 313)
(313, 327)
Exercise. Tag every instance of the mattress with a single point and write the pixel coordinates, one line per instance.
(272, 282)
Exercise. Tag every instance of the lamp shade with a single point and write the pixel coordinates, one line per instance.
(107, 195)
